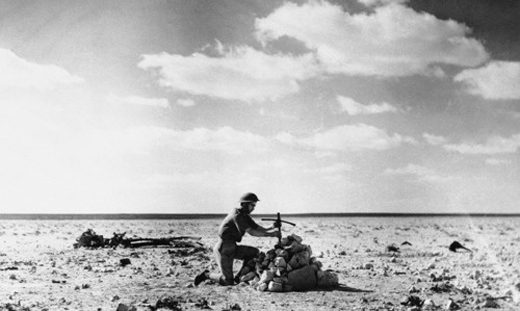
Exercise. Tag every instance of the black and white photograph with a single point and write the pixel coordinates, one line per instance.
(259, 155)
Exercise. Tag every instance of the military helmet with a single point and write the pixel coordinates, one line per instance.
(249, 197)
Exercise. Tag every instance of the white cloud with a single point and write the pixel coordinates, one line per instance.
(142, 139)
(392, 41)
(420, 172)
(434, 139)
(352, 107)
(496, 80)
(494, 145)
(333, 169)
(496, 162)
(370, 3)
(348, 137)
(287, 138)
(140, 101)
(20, 73)
(240, 73)
(186, 102)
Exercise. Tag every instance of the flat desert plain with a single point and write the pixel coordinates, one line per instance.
(41, 270)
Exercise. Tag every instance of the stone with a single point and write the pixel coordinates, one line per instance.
(315, 268)
(275, 287)
(266, 277)
(295, 247)
(315, 261)
(475, 275)
(296, 238)
(327, 279)
(451, 305)
(302, 279)
(280, 262)
(428, 304)
(412, 301)
(514, 292)
(299, 260)
(254, 281)
(278, 280)
(123, 307)
(490, 303)
(413, 290)
(248, 277)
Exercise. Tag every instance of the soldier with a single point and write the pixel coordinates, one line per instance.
(230, 232)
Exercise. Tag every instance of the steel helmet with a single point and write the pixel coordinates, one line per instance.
(249, 197)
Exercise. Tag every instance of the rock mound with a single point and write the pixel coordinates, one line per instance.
(289, 266)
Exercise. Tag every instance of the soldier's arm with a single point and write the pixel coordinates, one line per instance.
(262, 232)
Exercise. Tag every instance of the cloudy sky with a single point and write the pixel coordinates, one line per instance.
(317, 106)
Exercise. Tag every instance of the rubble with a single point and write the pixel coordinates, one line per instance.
(455, 245)
(428, 304)
(167, 303)
(123, 307)
(89, 239)
(412, 301)
(514, 292)
(392, 248)
(444, 287)
(288, 267)
(490, 303)
(451, 305)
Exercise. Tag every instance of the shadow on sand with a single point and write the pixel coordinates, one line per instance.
(341, 288)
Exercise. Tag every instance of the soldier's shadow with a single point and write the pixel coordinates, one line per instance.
(341, 288)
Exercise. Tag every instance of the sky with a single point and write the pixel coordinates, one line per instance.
(355, 106)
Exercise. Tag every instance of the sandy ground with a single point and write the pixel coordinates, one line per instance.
(40, 269)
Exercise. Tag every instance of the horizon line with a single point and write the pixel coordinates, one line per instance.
(115, 216)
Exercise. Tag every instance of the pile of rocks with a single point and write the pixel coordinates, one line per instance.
(289, 266)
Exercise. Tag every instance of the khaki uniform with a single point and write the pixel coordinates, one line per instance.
(226, 250)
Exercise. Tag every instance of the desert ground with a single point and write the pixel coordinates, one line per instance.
(41, 270)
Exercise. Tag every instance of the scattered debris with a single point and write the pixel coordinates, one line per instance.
(9, 268)
(13, 307)
(59, 282)
(428, 304)
(411, 301)
(123, 307)
(441, 277)
(456, 245)
(89, 239)
(392, 248)
(234, 307)
(413, 290)
(490, 303)
(514, 293)
(445, 287)
(167, 303)
(451, 305)
(203, 304)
